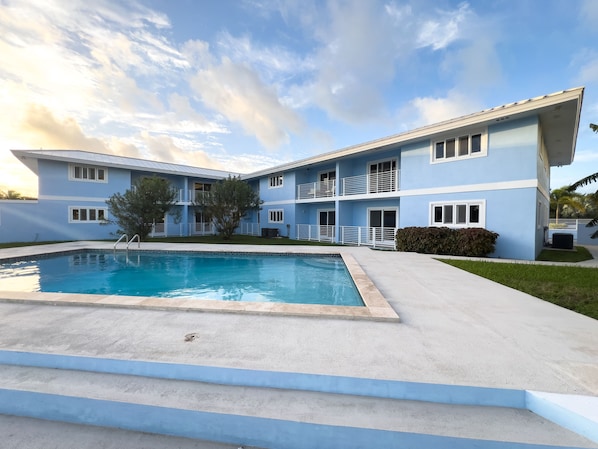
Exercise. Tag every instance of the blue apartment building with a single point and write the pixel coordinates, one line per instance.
(490, 169)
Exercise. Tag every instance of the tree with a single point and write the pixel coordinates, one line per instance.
(585, 181)
(138, 208)
(227, 203)
(561, 198)
(11, 195)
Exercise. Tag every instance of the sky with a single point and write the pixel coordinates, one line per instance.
(242, 85)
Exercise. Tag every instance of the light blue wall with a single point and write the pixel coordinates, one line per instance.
(512, 155)
(47, 221)
(507, 213)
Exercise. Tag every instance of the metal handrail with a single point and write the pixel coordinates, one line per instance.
(133, 238)
(124, 236)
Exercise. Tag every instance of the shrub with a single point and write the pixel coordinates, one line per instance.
(471, 242)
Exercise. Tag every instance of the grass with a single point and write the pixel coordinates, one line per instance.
(571, 287)
(237, 240)
(557, 255)
(212, 239)
(18, 244)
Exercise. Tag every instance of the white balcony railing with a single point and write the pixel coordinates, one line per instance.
(193, 196)
(318, 233)
(320, 189)
(371, 183)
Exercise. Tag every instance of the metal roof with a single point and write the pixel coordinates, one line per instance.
(559, 118)
(558, 114)
(30, 158)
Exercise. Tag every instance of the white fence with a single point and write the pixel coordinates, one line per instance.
(321, 189)
(324, 233)
(372, 183)
(248, 229)
(349, 235)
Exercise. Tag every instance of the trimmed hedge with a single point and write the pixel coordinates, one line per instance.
(470, 242)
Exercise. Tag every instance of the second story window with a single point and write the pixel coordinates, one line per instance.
(275, 181)
(458, 147)
(87, 173)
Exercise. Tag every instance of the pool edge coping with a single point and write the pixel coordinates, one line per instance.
(376, 308)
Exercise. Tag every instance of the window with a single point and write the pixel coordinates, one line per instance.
(275, 181)
(463, 146)
(87, 214)
(458, 214)
(87, 173)
(276, 216)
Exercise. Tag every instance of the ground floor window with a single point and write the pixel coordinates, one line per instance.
(458, 214)
(276, 216)
(87, 214)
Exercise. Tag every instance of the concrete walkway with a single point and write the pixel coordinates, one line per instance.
(456, 328)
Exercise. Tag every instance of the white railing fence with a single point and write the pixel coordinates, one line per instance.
(323, 233)
(320, 189)
(371, 183)
(368, 236)
(349, 235)
(248, 229)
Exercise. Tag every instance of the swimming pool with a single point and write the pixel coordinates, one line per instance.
(296, 279)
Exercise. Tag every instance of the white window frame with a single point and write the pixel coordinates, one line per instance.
(275, 215)
(88, 213)
(85, 172)
(456, 139)
(454, 221)
(276, 181)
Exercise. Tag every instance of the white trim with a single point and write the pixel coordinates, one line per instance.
(275, 213)
(72, 166)
(469, 202)
(284, 202)
(382, 208)
(87, 209)
(507, 185)
(475, 120)
(456, 136)
(72, 198)
(278, 179)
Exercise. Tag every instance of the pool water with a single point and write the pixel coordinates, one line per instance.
(230, 277)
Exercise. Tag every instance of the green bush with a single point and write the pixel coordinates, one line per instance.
(471, 242)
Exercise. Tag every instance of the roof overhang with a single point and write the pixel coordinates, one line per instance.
(558, 114)
(30, 159)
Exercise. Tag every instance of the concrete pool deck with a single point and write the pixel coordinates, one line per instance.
(455, 329)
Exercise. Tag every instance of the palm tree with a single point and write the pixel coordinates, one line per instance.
(11, 195)
(563, 197)
(585, 181)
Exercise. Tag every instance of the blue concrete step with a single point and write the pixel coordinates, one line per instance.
(268, 417)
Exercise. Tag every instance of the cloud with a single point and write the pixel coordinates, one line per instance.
(238, 93)
(427, 110)
(166, 148)
(42, 129)
(588, 13)
(350, 74)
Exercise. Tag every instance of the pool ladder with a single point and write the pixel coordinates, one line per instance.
(125, 237)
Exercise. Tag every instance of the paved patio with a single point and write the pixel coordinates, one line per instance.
(455, 328)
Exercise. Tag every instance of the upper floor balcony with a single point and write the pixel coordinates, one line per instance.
(193, 196)
(368, 184)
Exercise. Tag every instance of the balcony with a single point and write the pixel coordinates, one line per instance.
(193, 196)
(373, 183)
(313, 190)
(370, 184)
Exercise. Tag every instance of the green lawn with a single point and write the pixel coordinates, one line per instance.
(236, 240)
(575, 288)
(213, 239)
(579, 254)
